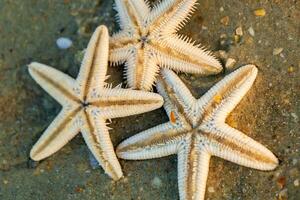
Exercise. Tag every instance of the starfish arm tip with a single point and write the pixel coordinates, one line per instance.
(121, 148)
(34, 66)
(218, 67)
(34, 155)
(119, 151)
(251, 68)
(273, 164)
(103, 31)
(123, 151)
(116, 175)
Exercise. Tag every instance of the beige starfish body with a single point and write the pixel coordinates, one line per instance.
(197, 131)
(148, 41)
(87, 103)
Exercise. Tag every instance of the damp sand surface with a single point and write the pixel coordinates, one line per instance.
(264, 33)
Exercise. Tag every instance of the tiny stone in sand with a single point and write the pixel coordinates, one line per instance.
(230, 63)
(277, 51)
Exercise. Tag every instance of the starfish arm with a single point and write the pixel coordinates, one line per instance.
(145, 70)
(178, 99)
(57, 84)
(184, 56)
(170, 15)
(231, 144)
(129, 16)
(122, 14)
(141, 8)
(140, 66)
(193, 167)
(159, 10)
(119, 102)
(119, 55)
(121, 40)
(59, 133)
(131, 68)
(155, 142)
(149, 73)
(94, 65)
(222, 98)
(96, 136)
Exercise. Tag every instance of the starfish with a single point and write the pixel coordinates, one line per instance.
(197, 130)
(148, 41)
(86, 104)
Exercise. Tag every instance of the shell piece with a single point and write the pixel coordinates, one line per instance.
(64, 43)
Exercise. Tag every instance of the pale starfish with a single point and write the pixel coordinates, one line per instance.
(87, 102)
(197, 131)
(148, 41)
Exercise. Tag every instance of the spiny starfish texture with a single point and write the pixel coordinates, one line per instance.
(148, 41)
(87, 102)
(197, 130)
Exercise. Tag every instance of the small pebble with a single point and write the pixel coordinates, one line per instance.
(260, 12)
(249, 40)
(223, 54)
(295, 160)
(291, 69)
(277, 51)
(141, 189)
(204, 28)
(294, 172)
(239, 31)
(210, 189)
(223, 36)
(295, 118)
(4, 165)
(237, 38)
(296, 182)
(281, 181)
(156, 182)
(125, 180)
(79, 189)
(230, 63)
(64, 43)
(283, 194)
(225, 20)
(251, 31)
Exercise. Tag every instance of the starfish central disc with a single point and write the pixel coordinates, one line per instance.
(144, 40)
(85, 104)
